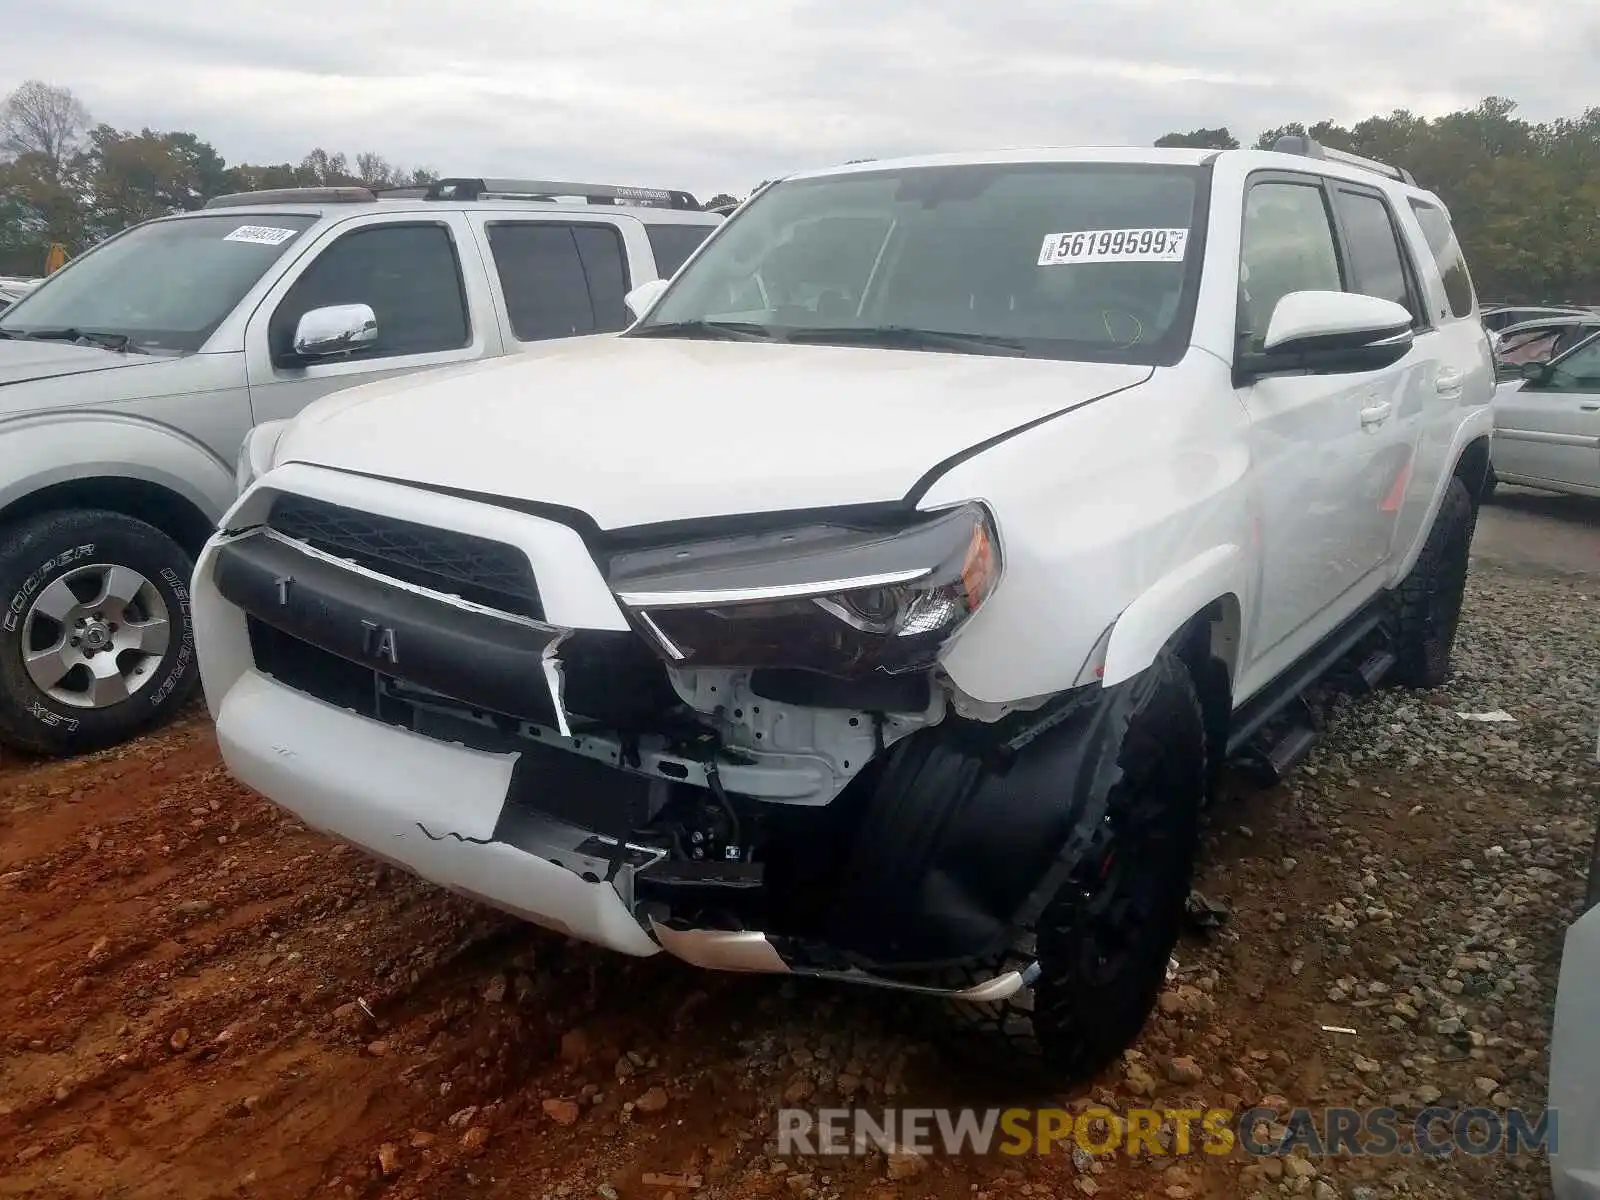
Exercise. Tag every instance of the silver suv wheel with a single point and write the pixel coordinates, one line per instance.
(95, 635)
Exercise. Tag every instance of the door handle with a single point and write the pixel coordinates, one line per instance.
(1376, 415)
(1446, 382)
(1589, 407)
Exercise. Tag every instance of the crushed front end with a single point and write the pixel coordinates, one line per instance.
(643, 742)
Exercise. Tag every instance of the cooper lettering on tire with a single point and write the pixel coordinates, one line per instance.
(96, 640)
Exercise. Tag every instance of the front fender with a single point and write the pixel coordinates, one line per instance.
(1147, 624)
(45, 449)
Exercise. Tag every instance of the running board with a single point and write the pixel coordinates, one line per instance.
(1292, 684)
(749, 951)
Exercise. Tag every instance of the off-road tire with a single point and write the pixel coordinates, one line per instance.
(38, 551)
(1104, 941)
(1428, 601)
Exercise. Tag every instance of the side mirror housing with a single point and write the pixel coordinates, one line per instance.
(1331, 333)
(335, 329)
(643, 298)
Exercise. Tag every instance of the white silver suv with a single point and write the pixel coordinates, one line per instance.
(129, 379)
(881, 603)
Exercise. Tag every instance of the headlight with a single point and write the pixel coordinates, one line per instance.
(255, 455)
(842, 601)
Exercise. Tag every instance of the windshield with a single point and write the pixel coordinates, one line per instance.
(1094, 261)
(165, 287)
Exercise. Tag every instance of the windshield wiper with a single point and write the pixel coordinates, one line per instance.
(105, 339)
(907, 337)
(729, 331)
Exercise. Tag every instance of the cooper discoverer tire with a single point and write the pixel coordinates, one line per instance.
(1104, 940)
(1428, 601)
(96, 642)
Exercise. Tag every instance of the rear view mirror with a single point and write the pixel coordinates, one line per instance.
(1331, 332)
(335, 329)
(643, 298)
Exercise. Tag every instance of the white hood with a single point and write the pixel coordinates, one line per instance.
(634, 431)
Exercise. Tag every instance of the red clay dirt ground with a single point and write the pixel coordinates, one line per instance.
(199, 998)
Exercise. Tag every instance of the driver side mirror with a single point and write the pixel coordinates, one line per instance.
(1330, 333)
(335, 329)
(643, 298)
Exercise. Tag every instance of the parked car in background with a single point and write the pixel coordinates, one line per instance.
(130, 377)
(1539, 341)
(12, 290)
(1547, 424)
(1498, 317)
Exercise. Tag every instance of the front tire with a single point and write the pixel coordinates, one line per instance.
(96, 644)
(1103, 943)
(1429, 599)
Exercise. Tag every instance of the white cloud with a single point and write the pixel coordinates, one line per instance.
(716, 96)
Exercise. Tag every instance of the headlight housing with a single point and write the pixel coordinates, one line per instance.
(255, 454)
(843, 601)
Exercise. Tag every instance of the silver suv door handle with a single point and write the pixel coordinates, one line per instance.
(1376, 415)
(1448, 381)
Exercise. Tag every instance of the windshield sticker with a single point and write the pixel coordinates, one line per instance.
(261, 235)
(1114, 245)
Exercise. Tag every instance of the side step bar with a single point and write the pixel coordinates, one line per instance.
(750, 951)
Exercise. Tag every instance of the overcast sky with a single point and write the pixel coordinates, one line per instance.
(717, 95)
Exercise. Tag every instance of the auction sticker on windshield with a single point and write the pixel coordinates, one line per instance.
(1113, 245)
(261, 235)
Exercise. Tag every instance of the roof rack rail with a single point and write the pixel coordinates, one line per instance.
(554, 192)
(1306, 147)
(305, 195)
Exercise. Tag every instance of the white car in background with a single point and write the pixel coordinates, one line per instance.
(1547, 424)
(12, 290)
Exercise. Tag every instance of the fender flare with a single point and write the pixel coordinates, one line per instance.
(45, 449)
(1479, 425)
(1148, 623)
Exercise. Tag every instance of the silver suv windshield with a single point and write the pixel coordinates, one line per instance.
(161, 288)
(1082, 260)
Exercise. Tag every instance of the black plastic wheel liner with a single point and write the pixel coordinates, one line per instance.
(968, 835)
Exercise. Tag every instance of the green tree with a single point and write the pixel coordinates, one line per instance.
(1201, 139)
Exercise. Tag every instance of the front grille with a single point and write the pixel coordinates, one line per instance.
(475, 568)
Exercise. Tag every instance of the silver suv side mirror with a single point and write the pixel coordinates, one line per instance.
(335, 329)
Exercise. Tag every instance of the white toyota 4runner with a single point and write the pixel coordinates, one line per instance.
(880, 605)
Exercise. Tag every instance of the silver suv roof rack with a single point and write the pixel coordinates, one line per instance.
(550, 191)
(1306, 147)
(305, 195)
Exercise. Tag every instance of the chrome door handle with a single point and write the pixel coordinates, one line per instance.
(1376, 415)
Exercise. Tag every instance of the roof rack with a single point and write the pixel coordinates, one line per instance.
(305, 195)
(546, 190)
(1309, 148)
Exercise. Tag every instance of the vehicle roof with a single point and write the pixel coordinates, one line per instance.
(1557, 321)
(649, 215)
(1175, 156)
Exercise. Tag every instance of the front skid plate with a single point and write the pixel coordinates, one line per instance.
(752, 952)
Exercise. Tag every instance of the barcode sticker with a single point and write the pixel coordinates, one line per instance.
(261, 235)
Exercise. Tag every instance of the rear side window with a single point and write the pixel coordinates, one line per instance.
(672, 244)
(560, 280)
(1447, 254)
(1377, 266)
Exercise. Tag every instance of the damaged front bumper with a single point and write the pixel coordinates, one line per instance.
(524, 819)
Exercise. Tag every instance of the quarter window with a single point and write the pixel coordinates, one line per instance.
(560, 280)
(1447, 255)
(408, 274)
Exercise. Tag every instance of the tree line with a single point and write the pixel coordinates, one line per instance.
(1524, 196)
(66, 178)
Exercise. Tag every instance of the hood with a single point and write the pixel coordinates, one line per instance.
(635, 431)
(22, 361)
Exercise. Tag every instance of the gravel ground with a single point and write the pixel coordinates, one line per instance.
(204, 999)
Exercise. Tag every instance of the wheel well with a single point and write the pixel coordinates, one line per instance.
(1208, 644)
(1472, 468)
(149, 502)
